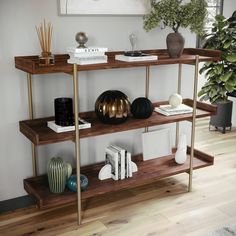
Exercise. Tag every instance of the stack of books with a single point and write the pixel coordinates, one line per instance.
(120, 160)
(87, 56)
(141, 57)
(83, 124)
(168, 110)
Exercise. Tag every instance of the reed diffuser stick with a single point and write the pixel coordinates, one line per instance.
(44, 32)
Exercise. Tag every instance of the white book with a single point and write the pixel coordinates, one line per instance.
(126, 165)
(180, 108)
(86, 50)
(112, 158)
(157, 109)
(122, 160)
(88, 61)
(59, 129)
(85, 54)
(145, 57)
(129, 164)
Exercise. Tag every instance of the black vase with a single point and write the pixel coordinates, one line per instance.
(63, 111)
(141, 108)
(175, 44)
(112, 107)
(223, 117)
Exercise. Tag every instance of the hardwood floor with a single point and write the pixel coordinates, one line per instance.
(162, 208)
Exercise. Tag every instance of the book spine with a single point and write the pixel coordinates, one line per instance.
(112, 159)
(122, 160)
(129, 164)
(86, 50)
(86, 55)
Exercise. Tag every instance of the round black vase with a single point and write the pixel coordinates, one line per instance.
(224, 115)
(112, 107)
(175, 44)
(141, 108)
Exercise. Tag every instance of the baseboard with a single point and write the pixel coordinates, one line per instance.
(16, 203)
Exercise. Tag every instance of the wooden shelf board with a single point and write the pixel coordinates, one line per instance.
(37, 131)
(148, 171)
(30, 64)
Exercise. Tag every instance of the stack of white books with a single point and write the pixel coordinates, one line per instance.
(142, 57)
(83, 124)
(168, 110)
(120, 160)
(87, 56)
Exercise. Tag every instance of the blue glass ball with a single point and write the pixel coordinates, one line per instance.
(72, 183)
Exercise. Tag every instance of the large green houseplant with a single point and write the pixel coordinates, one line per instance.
(221, 75)
(176, 14)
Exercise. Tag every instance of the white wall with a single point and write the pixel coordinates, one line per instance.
(18, 37)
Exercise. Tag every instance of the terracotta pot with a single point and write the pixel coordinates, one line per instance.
(175, 44)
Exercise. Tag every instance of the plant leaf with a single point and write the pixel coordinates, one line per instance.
(226, 76)
(231, 58)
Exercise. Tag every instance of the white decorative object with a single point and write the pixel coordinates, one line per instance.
(181, 153)
(105, 172)
(134, 167)
(104, 7)
(175, 100)
(156, 144)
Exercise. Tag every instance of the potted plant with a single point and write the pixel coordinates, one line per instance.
(176, 14)
(221, 75)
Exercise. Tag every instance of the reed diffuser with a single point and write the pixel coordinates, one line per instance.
(44, 32)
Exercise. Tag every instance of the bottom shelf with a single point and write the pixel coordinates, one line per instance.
(148, 171)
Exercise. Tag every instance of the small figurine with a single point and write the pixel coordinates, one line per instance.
(81, 39)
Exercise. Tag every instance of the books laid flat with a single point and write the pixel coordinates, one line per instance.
(168, 110)
(87, 60)
(143, 57)
(86, 50)
(59, 129)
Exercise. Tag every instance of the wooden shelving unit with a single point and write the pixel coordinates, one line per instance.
(38, 133)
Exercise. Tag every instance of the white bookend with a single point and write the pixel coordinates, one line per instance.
(122, 160)
(105, 172)
(129, 164)
(112, 158)
(144, 57)
(134, 166)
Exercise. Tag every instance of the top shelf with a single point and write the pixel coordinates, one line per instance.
(30, 64)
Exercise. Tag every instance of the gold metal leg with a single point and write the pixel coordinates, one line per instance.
(31, 116)
(147, 87)
(77, 141)
(179, 92)
(193, 123)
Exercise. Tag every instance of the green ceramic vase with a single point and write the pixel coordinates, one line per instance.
(58, 172)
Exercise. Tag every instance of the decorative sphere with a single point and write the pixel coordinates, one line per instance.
(72, 183)
(81, 39)
(175, 100)
(112, 107)
(141, 108)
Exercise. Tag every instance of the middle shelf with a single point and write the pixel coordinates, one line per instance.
(37, 132)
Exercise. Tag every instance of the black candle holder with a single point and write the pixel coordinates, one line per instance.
(63, 111)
